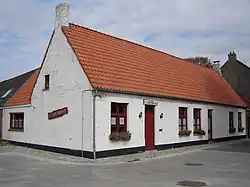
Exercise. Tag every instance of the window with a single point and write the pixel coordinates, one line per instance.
(118, 117)
(231, 120)
(239, 120)
(6, 94)
(197, 118)
(182, 118)
(16, 121)
(46, 82)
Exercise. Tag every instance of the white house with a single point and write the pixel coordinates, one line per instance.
(96, 95)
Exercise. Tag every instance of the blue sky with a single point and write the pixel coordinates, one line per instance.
(183, 28)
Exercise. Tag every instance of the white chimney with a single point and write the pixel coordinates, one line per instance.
(216, 66)
(62, 15)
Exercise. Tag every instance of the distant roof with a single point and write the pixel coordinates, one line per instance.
(238, 61)
(10, 86)
(23, 95)
(116, 64)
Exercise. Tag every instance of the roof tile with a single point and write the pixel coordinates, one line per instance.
(23, 95)
(116, 64)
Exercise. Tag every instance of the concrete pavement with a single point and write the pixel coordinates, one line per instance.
(223, 166)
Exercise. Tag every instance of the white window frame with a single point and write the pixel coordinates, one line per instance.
(6, 93)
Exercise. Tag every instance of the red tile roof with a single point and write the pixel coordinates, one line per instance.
(23, 95)
(115, 64)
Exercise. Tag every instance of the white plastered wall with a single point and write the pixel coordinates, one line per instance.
(67, 82)
(168, 124)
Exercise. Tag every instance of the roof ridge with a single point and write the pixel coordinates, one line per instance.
(135, 43)
(242, 64)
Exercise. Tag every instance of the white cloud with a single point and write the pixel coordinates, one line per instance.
(183, 28)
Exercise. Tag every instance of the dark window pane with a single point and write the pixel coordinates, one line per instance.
(16, 120)
(46, 81)
(122, 108)
(118, 117)
(113, 129)
(149, 108)
(113, 108)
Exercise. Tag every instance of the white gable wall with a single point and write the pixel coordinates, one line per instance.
(168, 124)
(67, 81)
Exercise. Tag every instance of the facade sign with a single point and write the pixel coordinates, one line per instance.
(149, 102)
(58, 113)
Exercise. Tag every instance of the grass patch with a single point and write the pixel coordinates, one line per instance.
(3, 143)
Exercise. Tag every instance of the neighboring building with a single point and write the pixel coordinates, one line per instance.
(237, 75)
(8, 89)
(96, 95)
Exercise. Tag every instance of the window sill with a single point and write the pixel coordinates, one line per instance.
(16, 130)
(183, 135)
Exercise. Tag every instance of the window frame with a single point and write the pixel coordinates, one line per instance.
(183, 116)
(231, 124)
(197, 117)
(117, 115)
(239, 120)
(46, 82)
(14, 121)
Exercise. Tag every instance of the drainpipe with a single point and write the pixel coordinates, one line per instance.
(82, 118)
(94, 140)
(94, 93)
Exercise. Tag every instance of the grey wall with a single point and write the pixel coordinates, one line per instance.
(1, 123)
(237, 75)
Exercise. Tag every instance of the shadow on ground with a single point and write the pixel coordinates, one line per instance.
(240, 147)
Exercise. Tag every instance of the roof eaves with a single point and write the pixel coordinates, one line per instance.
(167, 97)
(15, 106)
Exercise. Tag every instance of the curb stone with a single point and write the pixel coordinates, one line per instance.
(133, 158)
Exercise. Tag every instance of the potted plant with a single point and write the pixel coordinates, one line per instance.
(232, 130)
(199, 132)
(184, 133)
(120, 136)
(241, 129)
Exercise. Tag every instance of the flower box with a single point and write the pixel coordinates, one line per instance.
(199, 132)
(184, 133)
(241, 129)
(232, 130)
(120, 136)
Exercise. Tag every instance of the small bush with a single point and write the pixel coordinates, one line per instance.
(199, 132)
(232, 130)
(185, 132)
(120, 136)
(241, 129)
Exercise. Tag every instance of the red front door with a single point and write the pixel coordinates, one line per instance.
(149, 127)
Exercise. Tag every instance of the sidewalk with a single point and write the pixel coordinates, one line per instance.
(139, 157)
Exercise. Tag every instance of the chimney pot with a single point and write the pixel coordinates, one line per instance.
(62, 14)
(232, 56)
(216, 66)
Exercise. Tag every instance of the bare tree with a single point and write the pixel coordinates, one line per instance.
(203, 61)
